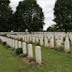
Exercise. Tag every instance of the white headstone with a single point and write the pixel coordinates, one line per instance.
(24, 48)
(10, 42)
(33, 39)
(16, 44)
(52, 42)
(30, 38)
(46, 42)
(67, 44)
(19, 44)
(59, 40)
(30, 51)
(41, 41)
(58, 43)
(38, 54)
(25, 39)
(13, 41)
(37, 39)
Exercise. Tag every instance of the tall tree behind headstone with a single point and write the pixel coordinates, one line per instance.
(5, 14)
(63, 15)
(29, 16)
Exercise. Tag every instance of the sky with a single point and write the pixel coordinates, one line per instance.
(46, 5)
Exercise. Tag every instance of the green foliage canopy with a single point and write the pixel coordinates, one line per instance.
(63, 15)
(5, 14)
(29, 16)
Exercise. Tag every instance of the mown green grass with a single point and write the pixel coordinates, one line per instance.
(53, 61)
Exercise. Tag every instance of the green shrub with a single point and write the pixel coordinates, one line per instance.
(0, 40)
(19, 51)
(4, 43)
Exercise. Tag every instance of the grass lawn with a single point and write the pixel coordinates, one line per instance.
(53, 61)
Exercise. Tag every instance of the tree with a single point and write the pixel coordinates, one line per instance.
(53, 28)
(29, 16)
(5, 14)
(63, 15)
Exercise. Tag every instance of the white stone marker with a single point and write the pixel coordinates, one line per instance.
(46, 42)
(37, 39)
(24, 48)
(30, 51)
(41, 41)
(10, 42)
(13, 43)
(25, 39)
(33, 39)
(67, 44)
(38, 54)
(16, 44)
(30, 38)
(52, 42)
(19, 44)
(58, 43)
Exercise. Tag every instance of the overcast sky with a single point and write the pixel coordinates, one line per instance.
(46, 5)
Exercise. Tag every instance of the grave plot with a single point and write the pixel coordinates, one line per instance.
(34, 54)
(56, 40)
(52, 61)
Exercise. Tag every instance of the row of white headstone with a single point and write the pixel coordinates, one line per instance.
(27, 48)
(51, 40)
